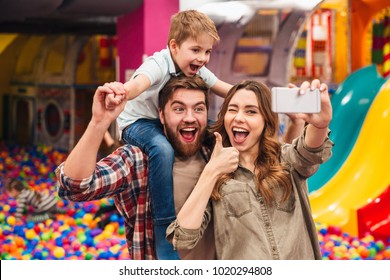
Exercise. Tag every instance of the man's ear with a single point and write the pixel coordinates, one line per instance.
(161, 116)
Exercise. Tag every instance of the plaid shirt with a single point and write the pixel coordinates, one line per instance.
(122, 175)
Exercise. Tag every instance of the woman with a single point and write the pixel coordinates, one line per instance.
(258, 187)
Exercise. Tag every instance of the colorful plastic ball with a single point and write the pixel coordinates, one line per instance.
(58, 252)
(88, 256)
(87, 218)
(110, 228)
(114, 218)
(30, 234)
(37, 228)
(380, 245)
(11, 220)
(379, 257)
(386, 253)
(30, 224)
(323, 231)
(363, 251)
(38, 255)
(19, 242)
(89, 242)
(45, 236)
(58, 241)
(121, 230)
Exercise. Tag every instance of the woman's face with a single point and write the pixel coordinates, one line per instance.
(243, 122)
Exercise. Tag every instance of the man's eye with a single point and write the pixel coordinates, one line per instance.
(178, 109)
(199, 109)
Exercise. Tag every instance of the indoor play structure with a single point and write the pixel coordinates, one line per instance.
(258, 40)
(364, 174)
(350, 103)
(45, 109)
(51, 86)
(354, 181)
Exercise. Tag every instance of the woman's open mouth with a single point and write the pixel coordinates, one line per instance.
(239, 134)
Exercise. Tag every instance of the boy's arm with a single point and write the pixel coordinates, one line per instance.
(136, 86)
(129, 90)
(294, 129)
(221, 88)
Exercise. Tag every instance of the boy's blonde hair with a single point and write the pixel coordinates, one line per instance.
(189, 24)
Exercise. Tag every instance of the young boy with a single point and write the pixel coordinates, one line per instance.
(191, 39)
(45, 206)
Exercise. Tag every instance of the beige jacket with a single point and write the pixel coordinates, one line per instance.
(245, 227)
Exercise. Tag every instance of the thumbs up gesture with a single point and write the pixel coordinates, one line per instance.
(223, 160)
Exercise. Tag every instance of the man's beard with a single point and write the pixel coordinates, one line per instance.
(183, 149)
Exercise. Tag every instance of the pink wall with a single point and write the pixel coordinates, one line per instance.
(144, 31)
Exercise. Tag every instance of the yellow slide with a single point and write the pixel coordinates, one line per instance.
(364, 175)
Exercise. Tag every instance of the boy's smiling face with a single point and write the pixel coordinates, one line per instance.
(13, 193)
(192, 54)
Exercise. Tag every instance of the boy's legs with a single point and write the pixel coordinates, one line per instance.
(38, 217)
(148, 135)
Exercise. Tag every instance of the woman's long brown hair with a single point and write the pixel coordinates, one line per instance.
(269, 171)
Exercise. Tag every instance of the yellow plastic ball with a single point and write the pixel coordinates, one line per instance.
(59, 252)
(11, 220)
(30, 234)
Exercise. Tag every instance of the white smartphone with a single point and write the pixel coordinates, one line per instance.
(289, 100)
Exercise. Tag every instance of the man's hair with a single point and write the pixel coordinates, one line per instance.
(181, 81)
(189, 24)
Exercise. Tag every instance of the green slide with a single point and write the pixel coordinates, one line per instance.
(350, 102)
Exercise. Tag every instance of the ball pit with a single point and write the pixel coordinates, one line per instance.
(76, 236)
(72, 236)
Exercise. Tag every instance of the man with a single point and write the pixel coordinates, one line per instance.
(183, 104)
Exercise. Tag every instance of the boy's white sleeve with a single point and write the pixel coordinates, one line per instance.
(154, 68)
(207, 76)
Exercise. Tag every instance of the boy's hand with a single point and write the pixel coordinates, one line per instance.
(99, 109)
(117, 95)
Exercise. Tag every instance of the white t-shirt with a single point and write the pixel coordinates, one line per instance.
(159, 68)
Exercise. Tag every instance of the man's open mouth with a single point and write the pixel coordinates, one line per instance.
(188, 133)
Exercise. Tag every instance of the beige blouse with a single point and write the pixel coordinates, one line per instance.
(245, 227)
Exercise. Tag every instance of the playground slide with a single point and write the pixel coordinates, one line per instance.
(350, 103)
(374, 218)
(365, 173)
